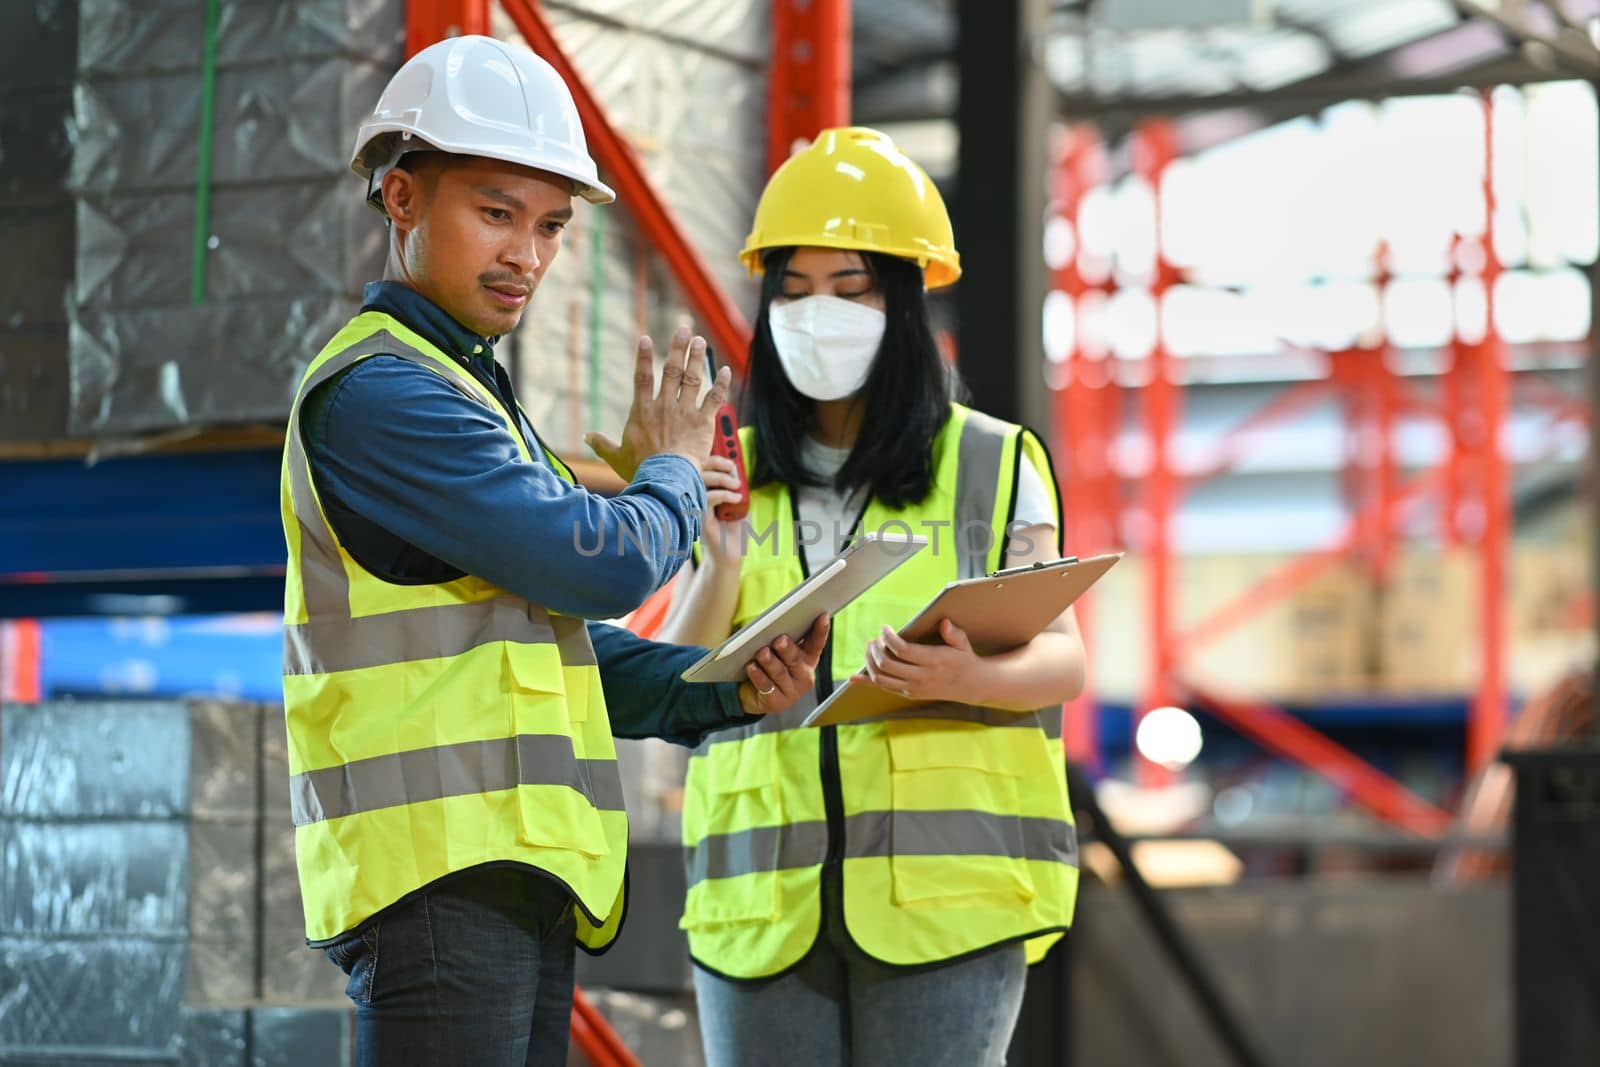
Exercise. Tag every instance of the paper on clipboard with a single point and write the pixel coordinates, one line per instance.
(1003, 611)
(867, 561)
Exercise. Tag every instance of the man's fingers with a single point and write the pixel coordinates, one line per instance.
(715, 498)
(672, 371)
(694, 362)
(603, 446)
(644, 373)
(720, 387)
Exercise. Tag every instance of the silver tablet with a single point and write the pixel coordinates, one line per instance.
(867, 561)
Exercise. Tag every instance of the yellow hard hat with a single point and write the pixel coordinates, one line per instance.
(852, 188)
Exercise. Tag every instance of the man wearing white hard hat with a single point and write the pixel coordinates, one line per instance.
(458, 813)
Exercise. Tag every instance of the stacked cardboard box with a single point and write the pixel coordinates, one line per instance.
(1314, 642)
(287, 242)
(1428, 623)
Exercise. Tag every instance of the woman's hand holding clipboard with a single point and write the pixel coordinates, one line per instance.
(991, 615)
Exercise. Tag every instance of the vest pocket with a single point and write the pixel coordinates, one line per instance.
(955, 839)
(732, 869)
(556, 794)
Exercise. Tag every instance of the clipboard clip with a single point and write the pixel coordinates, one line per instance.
(1029, 568)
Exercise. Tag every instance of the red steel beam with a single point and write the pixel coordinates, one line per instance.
(1489, 708)
(647, 618)
(1282, 733)
(808, 86)
(595, 1038)
(1083, 431)
(431, 21)
(1565, 407)
(1156, 146)
(1280, 408)
(1387, 472)
(1295, 573)
(721, 320)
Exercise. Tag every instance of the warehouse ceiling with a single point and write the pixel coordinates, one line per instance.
(1296, 57)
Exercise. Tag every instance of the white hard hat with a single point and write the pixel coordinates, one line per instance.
(476, 96)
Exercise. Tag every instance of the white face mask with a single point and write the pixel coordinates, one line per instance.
(826, 344)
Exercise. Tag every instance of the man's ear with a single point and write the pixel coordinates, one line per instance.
(402, 193)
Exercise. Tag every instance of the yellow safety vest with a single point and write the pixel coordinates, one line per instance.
(951, 824)
(433, 728)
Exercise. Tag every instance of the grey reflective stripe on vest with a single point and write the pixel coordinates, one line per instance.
(326, 645)
(1048, 720)
(789, 719)
(761, 848)
(883, 834)
(978, 476)
(960, 833)
(451, 770)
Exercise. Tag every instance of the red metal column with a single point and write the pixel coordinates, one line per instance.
(1083, 431)
(1369, 397)
(721, 320)
(1489, 711)
(431, 21)
(808, 87)
(1155, 146)
(1387, 473)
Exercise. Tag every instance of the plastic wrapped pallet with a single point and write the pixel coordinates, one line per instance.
(289, 121)
(92, 805)
(289, 239)
(33, 382)
(148, 900)
(168, 366)
(684, 83)
(288, 243)
(38, 42)
(128, 37)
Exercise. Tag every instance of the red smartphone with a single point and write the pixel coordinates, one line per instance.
(725, 442)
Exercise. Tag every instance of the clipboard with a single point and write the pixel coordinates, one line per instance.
(999, 613)
(865, 562)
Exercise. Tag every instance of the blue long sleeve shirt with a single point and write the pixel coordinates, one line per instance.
(423, 484)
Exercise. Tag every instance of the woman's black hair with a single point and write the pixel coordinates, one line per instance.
(907, 395)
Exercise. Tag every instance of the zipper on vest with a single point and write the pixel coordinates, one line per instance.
(828, 760)
(832, 791)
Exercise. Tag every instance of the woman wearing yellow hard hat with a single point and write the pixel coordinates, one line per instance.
(871, 893)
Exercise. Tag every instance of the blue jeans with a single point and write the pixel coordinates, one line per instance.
(841, 1008)
(472, 971)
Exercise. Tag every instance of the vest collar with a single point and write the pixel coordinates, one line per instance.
(431, 321)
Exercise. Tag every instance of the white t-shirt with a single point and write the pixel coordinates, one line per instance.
(836, 514)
